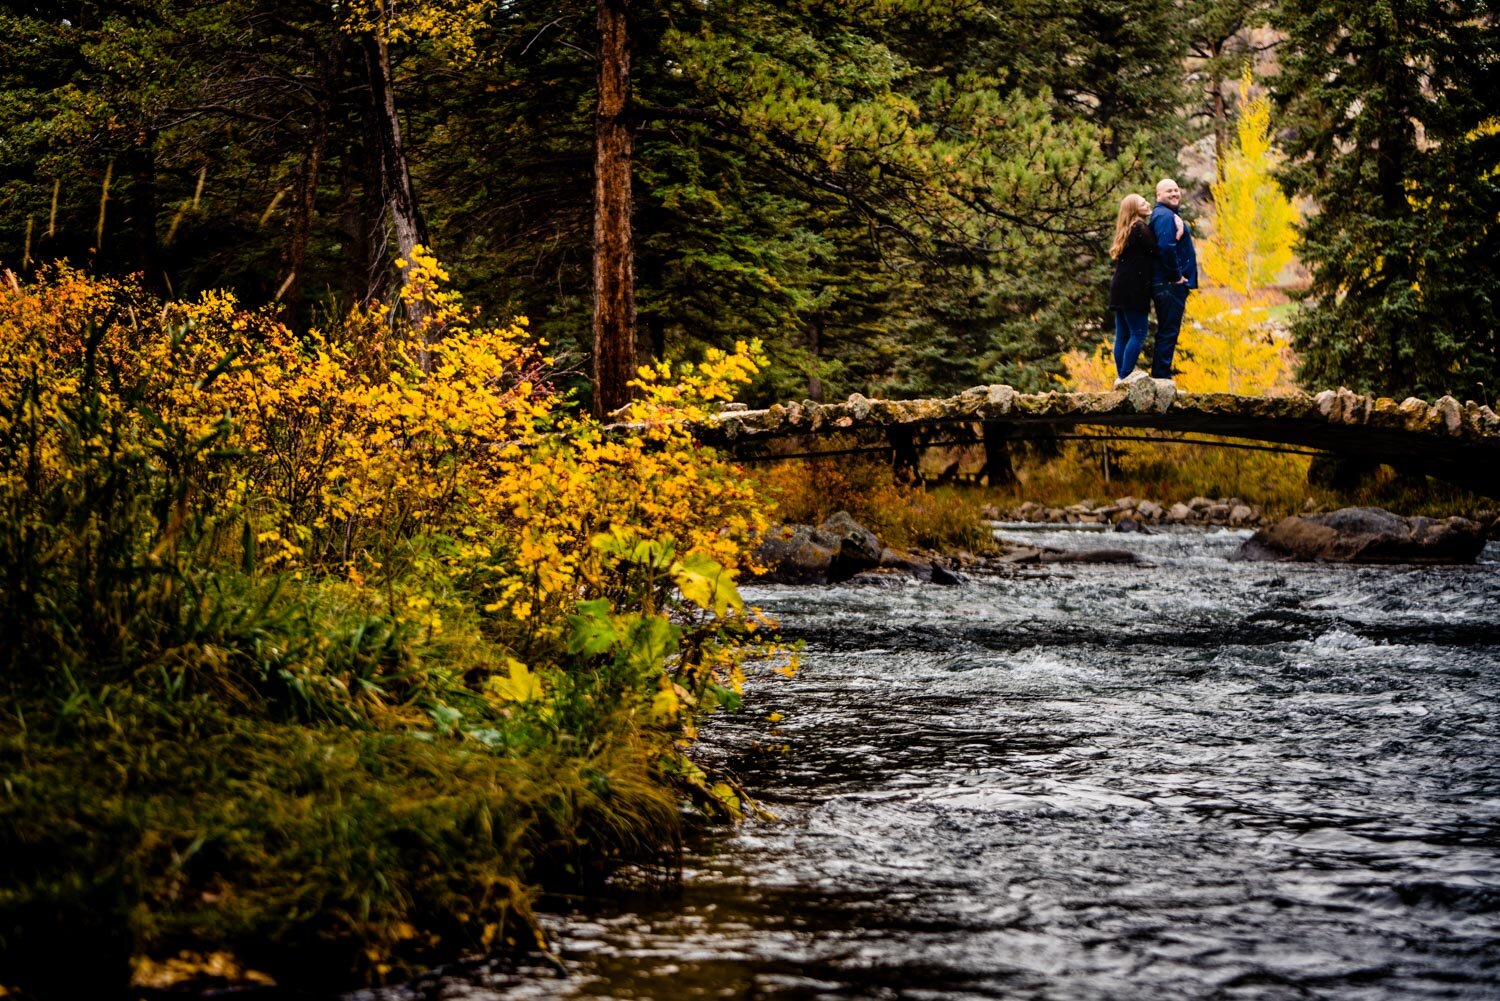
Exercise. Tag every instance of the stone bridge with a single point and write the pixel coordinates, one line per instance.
(1458, 442)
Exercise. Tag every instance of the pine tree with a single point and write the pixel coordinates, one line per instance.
(1391, 105)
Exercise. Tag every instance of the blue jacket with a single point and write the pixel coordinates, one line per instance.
(1174, 257)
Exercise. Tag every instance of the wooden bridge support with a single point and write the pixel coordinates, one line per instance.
(998, 470)
(905, 458)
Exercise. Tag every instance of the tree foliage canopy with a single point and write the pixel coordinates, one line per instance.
(897, 197)
(1393, 108)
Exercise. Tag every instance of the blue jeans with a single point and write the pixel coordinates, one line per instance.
(1171, 303)
(1130, 336)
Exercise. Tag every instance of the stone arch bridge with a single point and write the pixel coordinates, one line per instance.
(1457, 442)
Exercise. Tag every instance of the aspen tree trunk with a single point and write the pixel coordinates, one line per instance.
(614, 251)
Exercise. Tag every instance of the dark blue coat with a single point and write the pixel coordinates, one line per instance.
(1174, 258)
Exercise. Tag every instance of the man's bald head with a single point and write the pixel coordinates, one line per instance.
(1168, 193)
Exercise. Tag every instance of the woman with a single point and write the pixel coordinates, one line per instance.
(1134, 253)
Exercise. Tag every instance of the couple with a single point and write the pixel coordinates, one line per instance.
(1154, 263)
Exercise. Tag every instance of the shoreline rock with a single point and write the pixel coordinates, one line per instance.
(828, 553)
(841, 548)
(1367, 535)
(1228, 512)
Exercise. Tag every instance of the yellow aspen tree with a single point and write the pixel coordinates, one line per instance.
(1250, 234)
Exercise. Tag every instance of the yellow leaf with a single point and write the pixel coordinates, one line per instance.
(522, 685)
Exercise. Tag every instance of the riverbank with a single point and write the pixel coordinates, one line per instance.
(306, 680)
(1150, 487)
(186, 846)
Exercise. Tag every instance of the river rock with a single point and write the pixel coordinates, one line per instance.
(1090, 556)
(833, 551)
(942, 575)
(1180, 512)
(858, 547)
(1366, 535)
(900, 559)
(796, 554)
(1149, 509)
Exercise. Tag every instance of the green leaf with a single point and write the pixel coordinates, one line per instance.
(593, 630)
(652, 640)
(522, 684)
(706, 583)
(726, 697)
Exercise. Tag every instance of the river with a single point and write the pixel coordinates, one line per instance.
(1188, 778)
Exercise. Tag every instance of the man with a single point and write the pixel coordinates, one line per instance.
(1176, 273)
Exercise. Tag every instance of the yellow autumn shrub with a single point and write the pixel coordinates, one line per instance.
(367, 612)
(433, 470)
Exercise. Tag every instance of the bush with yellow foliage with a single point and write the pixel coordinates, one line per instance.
(320, 644)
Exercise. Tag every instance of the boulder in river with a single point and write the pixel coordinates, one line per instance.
(1366, 535)
(942, 575)
(796, 554)
(833, 551)
(858, 548)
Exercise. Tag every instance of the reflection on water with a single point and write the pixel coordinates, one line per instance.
(1186, 779)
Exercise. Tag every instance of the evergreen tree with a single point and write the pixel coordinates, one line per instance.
(1394, 107)
(887, 210)
(1009, 315)
(1220, 44)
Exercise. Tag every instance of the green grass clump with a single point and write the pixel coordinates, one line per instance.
(311, 852)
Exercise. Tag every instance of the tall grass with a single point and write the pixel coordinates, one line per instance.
(1166, 472)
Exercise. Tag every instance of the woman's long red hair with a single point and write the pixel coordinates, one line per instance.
(1133, 209)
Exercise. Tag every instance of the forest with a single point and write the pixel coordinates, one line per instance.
(359, 576)
(897, 198)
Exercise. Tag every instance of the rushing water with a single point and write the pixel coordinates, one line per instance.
(1190, 778)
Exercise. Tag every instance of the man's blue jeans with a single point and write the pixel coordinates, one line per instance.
(1130, 337)
(1171, 303)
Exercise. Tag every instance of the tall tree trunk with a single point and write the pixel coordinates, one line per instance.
(614, 251)
(1395, 140)
(309, 173)
(401, 198)
(141, 204)
(815, 349)
(1216, 93)
(300, 221)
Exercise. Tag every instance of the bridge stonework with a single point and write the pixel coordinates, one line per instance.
(1459, 442)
